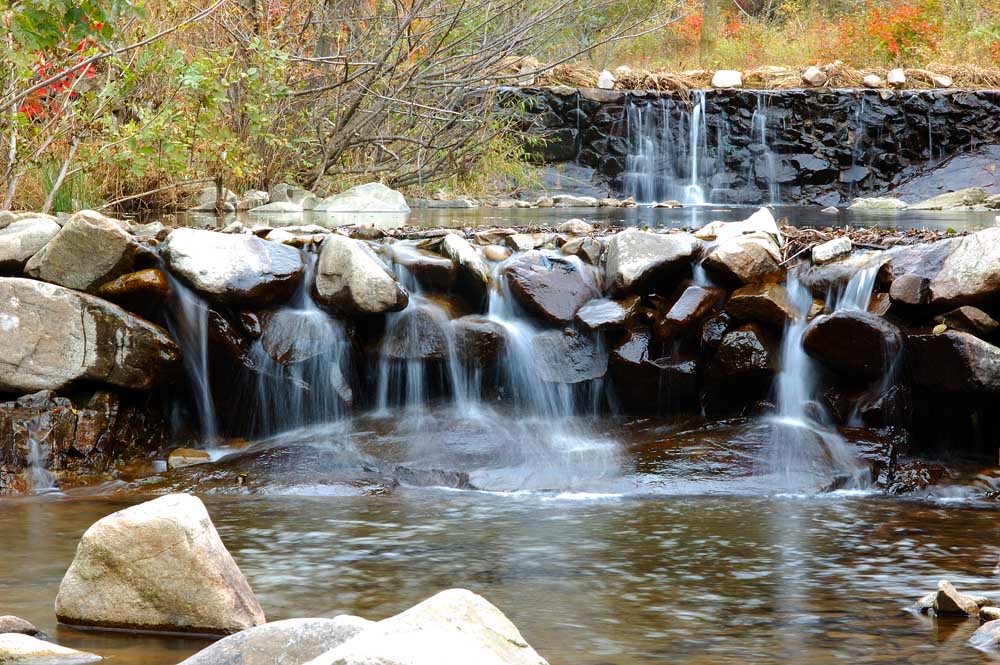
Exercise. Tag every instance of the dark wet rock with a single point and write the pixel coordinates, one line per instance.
(83, 439)
(636, 258)
(250, 324)
(141, 289)
(647, 383)
(892, 405)
(714, 328)
(766, 303)
(748, 350)
(88, 251)
(293, 336)
(479, 340)
(853, 343)
(288, 642)
(420, 333)
(550, 289)
(130, 573)
(54, 337)
(22, 239)
(948, 601)
(234, 269)
(567, 356)
(827, 278)
(432, 271)
(693, 305)
(607, 314)
(954, 361)
(746, 259)
(351, 279)
(473, 279)
(971, 320)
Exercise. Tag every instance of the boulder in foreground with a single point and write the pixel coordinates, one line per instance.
(18, 649)
(157, 566)
(53, 337)
(289, 642)
(455, 627)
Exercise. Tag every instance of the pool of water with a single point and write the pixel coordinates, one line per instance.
(608, 542)
(687, 217)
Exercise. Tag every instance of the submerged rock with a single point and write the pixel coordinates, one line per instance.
(288, 642)
(21, 240)
(157, 566)
(635, 258)
(567, 356)
(54, 337)
(551, 289)
(352, 279)
(853, 343)
(954, 361)
(233, 269)
(18, 649)
(89, 250)
(455, 627)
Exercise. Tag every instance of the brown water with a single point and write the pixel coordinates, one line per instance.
(664, 552)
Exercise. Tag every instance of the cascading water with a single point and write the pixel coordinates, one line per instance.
(40, 479)
(766, 165)
(805, 448)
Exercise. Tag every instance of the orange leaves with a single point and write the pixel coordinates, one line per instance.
(898, 29)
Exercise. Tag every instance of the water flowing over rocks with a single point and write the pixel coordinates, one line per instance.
(352, 279)
(551, 289)
(853, 342)
(455, 627)
(88, 251)
(55, 337)
(21, 240)
(288, 642)
(157, 566)
(635, 258)
(233, 269)
(20, 649)
(567, 356)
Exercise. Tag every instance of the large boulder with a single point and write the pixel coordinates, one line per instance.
(550, 289)
(635, 258)
(647, 383)
(567, 356)
(853, 343)
(54, 337)
(958, 271)
(22, 239)
(353, 280)
(473, 273)
(18, 649)
(90, 250)
(455, 627)
(746, 259)
(370, 197)
(955, 362)
(157, 566)
(233, 269)
(288, 642)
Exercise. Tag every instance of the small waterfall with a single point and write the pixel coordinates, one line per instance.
(805, 445)
(697, 146)
(767, 159)
(40, 479)
(187, 321)
(418, 349)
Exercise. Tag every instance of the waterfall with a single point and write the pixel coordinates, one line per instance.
(40, 479)
(804, 445)
(697, 145)
(767, 159)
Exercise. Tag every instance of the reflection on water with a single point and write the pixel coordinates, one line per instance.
(695, 579)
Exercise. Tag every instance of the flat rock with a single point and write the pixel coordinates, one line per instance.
(693, 305)
(141, 288)
(959, 199)
(607, 314)
(54, 337)
(178, 458)
(635, 258)
(18, 649)
(552, 290)
(157, 566)
(432, 271)
(233, 269)
(832, 249)
(22, 239)
(353, 280)
(878, 203)
(288, 642)
(455, 627)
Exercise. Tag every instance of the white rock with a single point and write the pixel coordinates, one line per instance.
(878, 203)
(942, 81)
(761, 221)
(606, 80)
(815, 76)
(832, 249)
(727, 78)
(371, 197)
(873, 81)
(455, 627)
(157, 566)
(473, 273)
(571, 201)
(17, 649)
(22, 239)
(623, 70)
(303, 198)
(575, 227)
(233, 268)
(352, 279)
(207, 199)
(830, 210)
(277, 207)
(896, 78)
(634, 257)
